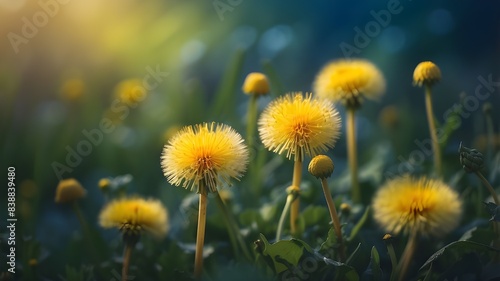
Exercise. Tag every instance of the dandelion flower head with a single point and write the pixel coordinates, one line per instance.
(204, 156)
(426, 73)
(321, 166)
(427, 206)
(135, 215)
(130, 91)
(69, 190)
(256, 83)
(348, 81)
(299, 124)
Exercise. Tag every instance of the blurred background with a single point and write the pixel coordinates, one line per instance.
(65, 64)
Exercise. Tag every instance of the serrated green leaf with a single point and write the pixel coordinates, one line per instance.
(284, 253)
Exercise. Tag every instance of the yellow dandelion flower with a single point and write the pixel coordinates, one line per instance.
(205, 155)
(135, 215)
(72, 89)
(256, 83)
(69, 190)
(321, 166)
(130, 91)
(104, 184)
(428, 207)
(299, 125)
(426, 73)
(348, 81)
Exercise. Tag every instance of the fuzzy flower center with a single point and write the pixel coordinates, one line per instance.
(302, 133)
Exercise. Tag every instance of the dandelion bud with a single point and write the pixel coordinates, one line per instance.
(69, 190)
(321, 167)
(471, 159)
(256, 83)
(426, 73)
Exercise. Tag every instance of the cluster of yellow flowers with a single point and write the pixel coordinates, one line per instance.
(206, 156)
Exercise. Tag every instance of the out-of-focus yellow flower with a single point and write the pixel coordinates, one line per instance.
(131, 91)
(72, 89)
(104, 184)
(299, 125)
(69, 190)
(345, 208)
(348, 81)
(256, 83)
(425, 206)
(135, 215)
(321, 166)
(426, 73)
(204, 156)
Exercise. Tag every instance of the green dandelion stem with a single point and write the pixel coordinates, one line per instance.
(489, 187)
(432, 131)
(233, 230)
(126, 261)
(289, 200)
(297, 177)
(352, 154)
(335, 219)
(407, 256)
(200, 235)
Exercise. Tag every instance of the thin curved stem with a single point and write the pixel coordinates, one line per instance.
(489, 187)
(407, 256)
(335, 219)
(200, 235)
(288, 203)
(432, 131)
(352, 154)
